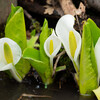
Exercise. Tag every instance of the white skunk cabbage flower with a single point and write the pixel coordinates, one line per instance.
(97, 54)
(70, 38)
(10, 54)
(51, 46)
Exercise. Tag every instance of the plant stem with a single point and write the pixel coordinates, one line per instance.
(51, 63)
(57, 60)
(46, 86)
(76, 68)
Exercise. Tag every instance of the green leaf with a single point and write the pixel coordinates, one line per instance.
(37, 45)
(43, 36)
(15, 27)
(31, 53)
(43, 69)
(33, 32)
(60, 68)
(95, 31)
(88, 66)
(23, 67)
(38, 58)
(32, 41)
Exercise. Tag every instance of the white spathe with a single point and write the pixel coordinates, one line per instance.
(56, 45)
(16, 52)
(64, 25)
(97, 54)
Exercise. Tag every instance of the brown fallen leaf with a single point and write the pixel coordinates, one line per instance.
(49, 1)
(48, 10)
(81, 10)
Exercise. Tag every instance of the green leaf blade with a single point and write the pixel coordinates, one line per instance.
(23, 67)
(15, 27)
(43, 36)
(33, 56)
(32, 41)
(60, 68)
(43, 69)
(88, 66)
(95, 31)
(31, 53)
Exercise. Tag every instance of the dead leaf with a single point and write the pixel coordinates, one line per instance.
(81, 10)
(49, 10)
(69, 8)
(48, 1)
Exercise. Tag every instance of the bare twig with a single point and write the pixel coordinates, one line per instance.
(78, 24)
(60, 53)
(32, 95)
(58, 57)
(28, 15)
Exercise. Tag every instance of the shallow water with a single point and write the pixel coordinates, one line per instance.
(11, 90)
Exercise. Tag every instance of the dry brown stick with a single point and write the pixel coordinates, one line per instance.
(78, 24)
(32, 95)
(58, 57)
(28, 15)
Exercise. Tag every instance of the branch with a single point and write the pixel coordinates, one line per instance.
(28, 15)
(58, 57)
(33, 96)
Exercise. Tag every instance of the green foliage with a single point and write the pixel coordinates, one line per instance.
(22, 67)
(36, 25)
(32, 41)
(95, 31)
(15, 27)
(88, 67)
(38, 59)
(60, 68)
(33, 32)
(43, 36)
(15, 30)
(31, 53)
(42, 68)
